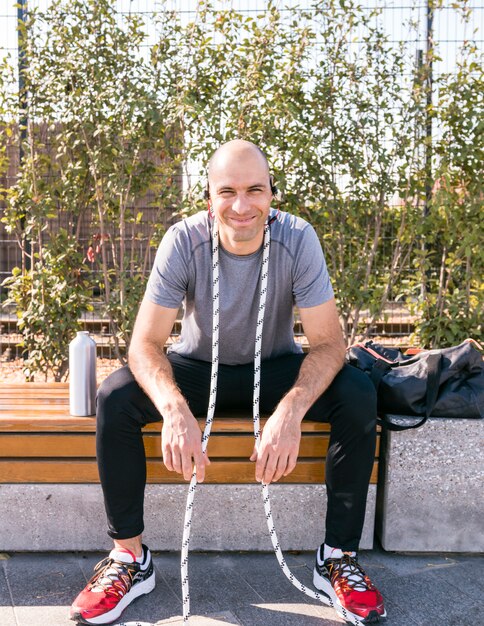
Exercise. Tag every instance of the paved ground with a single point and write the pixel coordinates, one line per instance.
(248, 589)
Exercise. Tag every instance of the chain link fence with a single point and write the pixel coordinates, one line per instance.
(411, 23)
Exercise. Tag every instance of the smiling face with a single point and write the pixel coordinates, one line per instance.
(240, 195)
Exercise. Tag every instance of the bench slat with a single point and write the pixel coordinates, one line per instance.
(85, 471)
(44, 395)
(46, 403)
(83, 445)
(32, 387)
(41, 422)
(21, 423)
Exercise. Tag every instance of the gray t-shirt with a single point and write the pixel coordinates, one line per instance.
(182, 273)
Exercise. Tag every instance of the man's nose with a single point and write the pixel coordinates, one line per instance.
(240, 203)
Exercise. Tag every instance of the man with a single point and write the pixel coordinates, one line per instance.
(175, 387)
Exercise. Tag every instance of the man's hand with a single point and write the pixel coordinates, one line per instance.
(279, 447)
(181, 437)
(181, 444)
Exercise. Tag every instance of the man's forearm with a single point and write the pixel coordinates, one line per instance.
(152, 371)
(279, 446)
(316, 374)
(181, 438)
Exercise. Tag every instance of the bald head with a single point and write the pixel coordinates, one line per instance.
(237, 151)
(240, 195)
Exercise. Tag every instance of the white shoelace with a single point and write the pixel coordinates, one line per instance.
(256, 419)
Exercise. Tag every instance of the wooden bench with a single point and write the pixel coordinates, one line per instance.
(50, 497)
(41, 443)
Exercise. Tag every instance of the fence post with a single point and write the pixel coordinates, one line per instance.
(23, 109)
(428, 127)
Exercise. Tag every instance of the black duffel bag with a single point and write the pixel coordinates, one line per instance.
(441, 383)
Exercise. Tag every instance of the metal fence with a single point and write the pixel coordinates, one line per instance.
(403, 20)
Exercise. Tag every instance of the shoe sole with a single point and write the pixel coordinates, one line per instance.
(325, 587)
(137, 590)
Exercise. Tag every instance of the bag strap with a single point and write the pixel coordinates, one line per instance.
(433, 380)
(434, 369)
(378, 370)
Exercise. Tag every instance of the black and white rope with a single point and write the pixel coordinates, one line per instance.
(208, 423)
(257, 432)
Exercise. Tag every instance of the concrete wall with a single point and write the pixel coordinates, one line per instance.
(226, 517)
(431, 488)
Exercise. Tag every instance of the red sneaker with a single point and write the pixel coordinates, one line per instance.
(349, 587)
(115, 584)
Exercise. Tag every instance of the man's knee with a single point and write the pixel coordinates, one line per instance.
(113, 388)
(356, 396)
(121, 402)
(353, 379)
(115, 395)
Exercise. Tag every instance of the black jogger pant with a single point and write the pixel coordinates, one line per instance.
(349, 405)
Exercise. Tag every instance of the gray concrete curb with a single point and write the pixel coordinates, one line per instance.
(58, 517)
(431, 488)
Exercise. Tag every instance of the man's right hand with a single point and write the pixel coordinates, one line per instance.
(181, 445)
(181, 442)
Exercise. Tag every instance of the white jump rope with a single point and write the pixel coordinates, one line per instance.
(256, 418)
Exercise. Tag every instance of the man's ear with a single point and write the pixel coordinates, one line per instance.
(274, 188)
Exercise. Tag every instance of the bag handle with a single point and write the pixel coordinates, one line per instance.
(434, 369)
(378, 370)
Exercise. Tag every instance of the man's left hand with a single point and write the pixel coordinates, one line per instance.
(278, 448)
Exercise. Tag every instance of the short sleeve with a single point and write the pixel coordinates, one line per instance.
(168, 281)
(311, 282)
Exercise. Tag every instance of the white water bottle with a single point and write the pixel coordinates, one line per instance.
(82, 375)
